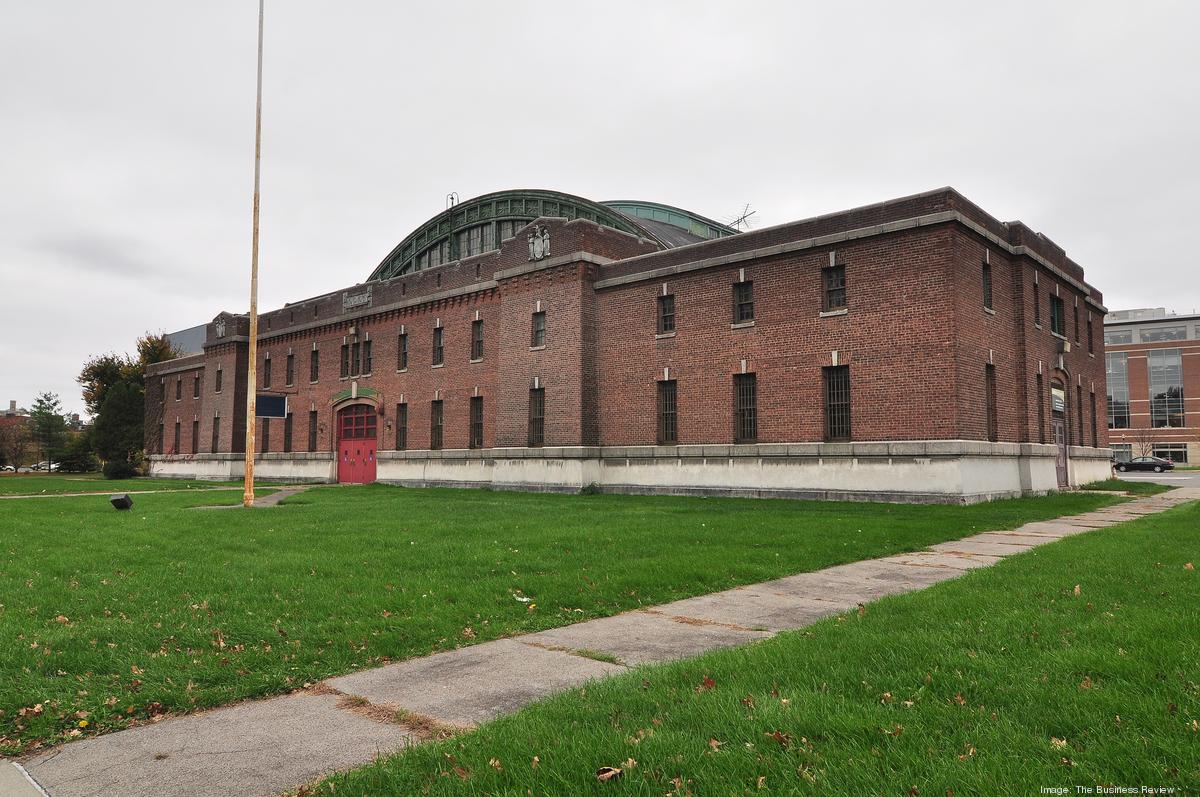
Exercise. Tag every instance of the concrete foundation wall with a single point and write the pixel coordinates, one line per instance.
(945, 471)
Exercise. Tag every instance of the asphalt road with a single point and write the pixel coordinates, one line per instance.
(1177, 478)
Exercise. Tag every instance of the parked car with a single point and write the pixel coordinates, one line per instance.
(7, 468)
(1156, 464)
(47, 466)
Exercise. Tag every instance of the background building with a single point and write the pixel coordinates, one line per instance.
(1153, 375)
(917, 349)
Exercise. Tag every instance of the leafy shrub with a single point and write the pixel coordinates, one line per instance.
(119, 469)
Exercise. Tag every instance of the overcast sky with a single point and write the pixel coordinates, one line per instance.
(126, 137)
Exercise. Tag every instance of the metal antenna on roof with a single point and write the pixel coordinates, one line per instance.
(742, 221)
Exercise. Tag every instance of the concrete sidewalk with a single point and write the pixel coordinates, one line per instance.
(260, 748)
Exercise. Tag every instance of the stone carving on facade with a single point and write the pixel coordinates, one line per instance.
(220, 327)
(539, 243)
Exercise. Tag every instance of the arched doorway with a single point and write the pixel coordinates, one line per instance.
(1058, 428)
(356, 426)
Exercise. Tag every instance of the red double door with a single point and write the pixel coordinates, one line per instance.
(356, 444)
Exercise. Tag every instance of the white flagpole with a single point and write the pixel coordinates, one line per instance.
(252, 364)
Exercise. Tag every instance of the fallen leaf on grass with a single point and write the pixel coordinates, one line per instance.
(534, 764)
(784, 739)
(605, 774)
(762, 782)
(1077, 590)
(1086, 683)
(1057, 744)
(494, 763)
(715, 745)
(706, 685)
(886, 697)
(1189, 566)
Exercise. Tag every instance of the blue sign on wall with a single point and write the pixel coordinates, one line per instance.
(270, 406)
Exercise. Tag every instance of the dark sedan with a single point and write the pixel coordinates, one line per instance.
(1156, 464)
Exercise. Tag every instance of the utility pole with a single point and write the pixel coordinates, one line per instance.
(252, 365)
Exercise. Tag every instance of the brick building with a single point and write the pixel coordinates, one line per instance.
(1153, 364)
(916, 349)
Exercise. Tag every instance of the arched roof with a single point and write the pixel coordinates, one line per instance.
(478, 225)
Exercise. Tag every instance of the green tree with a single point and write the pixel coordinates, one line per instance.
(77, 456)
(99, 374)
(49, 426)
(117, 432)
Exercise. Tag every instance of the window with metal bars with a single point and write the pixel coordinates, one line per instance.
(401, 426)
(477, 340)
(1037, 304)
(537, 416)
(1075, 310)
(355, 358)
(289, 370)
(834, 278)
(178, 388)
(1095, 434)
(989, 388)
(743, 302)
(314, 366)
(195, 387)
(837, 402)
(476, 422)
(1079, 414)
(312, 430)
(216, 433)
(402, 352)
(435, 425)
(195, 436)
(217, 382)
(176, 450)
(537, 336)
(666, 314)
(162, 438)
(1090, 339)
(439, 352)
(367, 363)
(265, 444)
(668, 415)
(266, 372)
(345, 360)
(745, 408)
(287, 434)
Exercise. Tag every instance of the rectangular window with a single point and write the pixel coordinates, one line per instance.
(401, 427)
(217, 382)
(1079, 415)
(178, 388)
(1041, 409)
(435, 425)
(216, 433)
(402, 352)
(1116, 371)
(1092, 418)
(1091, 345)
(367, 363)
(743, 302)
(666, 314)
(1037, 304)
(1176, 452)
(289, 370)
(987, 286)
(287, 434)
(477, 340)
(834, 279)
(537, 416)
(314, 366)
(266, 434)
(476, 422)
(345, 360)
(837, 402)
(266, 373)
(745, 408)
(1117, 338)
(989, 388)
(195, 436)
(1166, 388)
(668, 416)
(312, 430)
(162, 438)
(355, 355)
(1075, 310)
(1122, 452)
(537, 335)
(195, 387)
(1162, 333)
(439, 354)
(1058, 321)
(176, 449)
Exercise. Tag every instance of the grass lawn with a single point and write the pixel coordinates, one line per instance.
(1000, 682)
(27, 484)
(121, 616)
(1133, 488)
